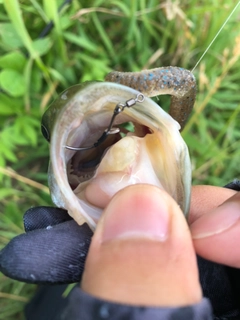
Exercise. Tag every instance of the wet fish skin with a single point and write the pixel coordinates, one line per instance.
(82, 112)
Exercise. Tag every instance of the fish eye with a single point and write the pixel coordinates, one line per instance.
(45, 133)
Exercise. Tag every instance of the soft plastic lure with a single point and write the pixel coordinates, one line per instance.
(177, 82)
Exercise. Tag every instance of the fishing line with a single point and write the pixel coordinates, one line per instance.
(219, 31)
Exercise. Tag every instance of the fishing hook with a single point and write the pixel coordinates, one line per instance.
(110, 129)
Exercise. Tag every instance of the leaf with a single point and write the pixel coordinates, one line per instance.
(25, 128)
(14, 60)
(125, 8)
(8, 153)
(12, 216)
(32, 121)
(42, 46)
(12, 135)
(6, 192)
(103, 34)
(39, 9)
(51, 9)
(31, 134)
(9, 106)
(80, 41)
(13, 82)
(9, 36)
(2, 161)
(36, 80)
(58, 76)
(15, 15)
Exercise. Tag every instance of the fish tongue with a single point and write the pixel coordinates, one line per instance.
(125, 163)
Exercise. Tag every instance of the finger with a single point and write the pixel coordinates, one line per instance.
(206, 198)
(52, 255)
(141, 252)
(216, 235)
(43, 217)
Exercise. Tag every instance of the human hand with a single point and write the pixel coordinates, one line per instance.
(57, 254)
(215, 226)
(150, 259)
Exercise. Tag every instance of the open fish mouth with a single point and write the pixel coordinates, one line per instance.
(144, 146)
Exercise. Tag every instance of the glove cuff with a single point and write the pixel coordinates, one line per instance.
(87, 307)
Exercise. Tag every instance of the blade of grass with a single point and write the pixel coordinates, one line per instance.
(14, 13)
(51, 8)
(40, 10)
(14, 297)
(103, 34)
(11, 173)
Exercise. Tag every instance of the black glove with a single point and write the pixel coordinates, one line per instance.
(53, 249)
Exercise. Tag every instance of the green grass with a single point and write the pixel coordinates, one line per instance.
(89, 39)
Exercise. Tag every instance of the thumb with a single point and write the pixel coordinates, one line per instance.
(142, 253)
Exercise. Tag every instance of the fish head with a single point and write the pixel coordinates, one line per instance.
(147, 147)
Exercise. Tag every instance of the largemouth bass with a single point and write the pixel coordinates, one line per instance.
(105, 136)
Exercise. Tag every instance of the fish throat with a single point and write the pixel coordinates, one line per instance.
(87, 158)
(84, 163)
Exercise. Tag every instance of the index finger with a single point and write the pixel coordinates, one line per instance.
(206, 198)
(216, 228)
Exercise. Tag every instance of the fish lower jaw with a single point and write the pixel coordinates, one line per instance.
(120, 167)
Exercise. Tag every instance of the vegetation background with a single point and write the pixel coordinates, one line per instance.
(89, 39)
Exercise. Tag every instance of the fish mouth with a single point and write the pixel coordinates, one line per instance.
(146, 147)
(84, 163)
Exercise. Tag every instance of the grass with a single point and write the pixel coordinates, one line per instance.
(89, 39)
